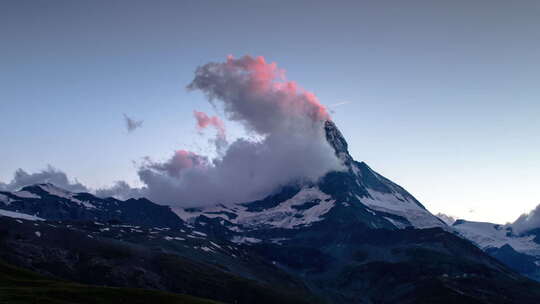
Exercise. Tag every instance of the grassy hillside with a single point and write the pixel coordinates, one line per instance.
(18, 286)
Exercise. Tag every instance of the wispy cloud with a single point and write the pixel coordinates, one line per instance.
(332, 107)
(132, 124)
(337, 104)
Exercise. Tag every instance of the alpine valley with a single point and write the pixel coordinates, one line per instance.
(351, 237)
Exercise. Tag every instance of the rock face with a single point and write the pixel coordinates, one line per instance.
(338, 142)
(352, 237)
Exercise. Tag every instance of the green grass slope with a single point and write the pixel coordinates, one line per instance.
(18, 286)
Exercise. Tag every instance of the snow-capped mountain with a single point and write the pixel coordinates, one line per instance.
(352, 237)
(519, 251)
(365, 196)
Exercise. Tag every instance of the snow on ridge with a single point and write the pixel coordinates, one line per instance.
(53, 190)
(396, 203)
(396, 223)
(244, 240)
(25, 194)
(218, 211)
(288, 215)
(199, 233)
(283, 215)
(86, 204)
(19, 215)
(59, 192)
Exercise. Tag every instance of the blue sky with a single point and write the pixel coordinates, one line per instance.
(439, 96)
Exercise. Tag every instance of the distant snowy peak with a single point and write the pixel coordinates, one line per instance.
(489, 235)
(48, 189)
(520, 252)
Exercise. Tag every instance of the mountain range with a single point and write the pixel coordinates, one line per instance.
(353, 236)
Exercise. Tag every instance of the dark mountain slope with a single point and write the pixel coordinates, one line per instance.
(19, 286)
(76, 254)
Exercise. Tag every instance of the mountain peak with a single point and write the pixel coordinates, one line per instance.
(337, 142)
(335, 138)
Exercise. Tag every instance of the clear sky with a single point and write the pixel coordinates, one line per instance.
(442, 97)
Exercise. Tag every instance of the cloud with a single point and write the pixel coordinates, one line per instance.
(49, 175)
(256, 94)
(338, 104)
(204, 121)
(132, 124)
(120, 190)
(527, 221)
(287, 119)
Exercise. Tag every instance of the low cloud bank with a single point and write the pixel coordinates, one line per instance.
(49, 175)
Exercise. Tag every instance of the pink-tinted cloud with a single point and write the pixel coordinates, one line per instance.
(180, 161)
(203, 121)
(257, 94)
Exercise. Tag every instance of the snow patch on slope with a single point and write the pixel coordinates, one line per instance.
(58, 192)
(19, 215)
(283, 215)
(396, 203)
(25, 194)
(244, 240)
